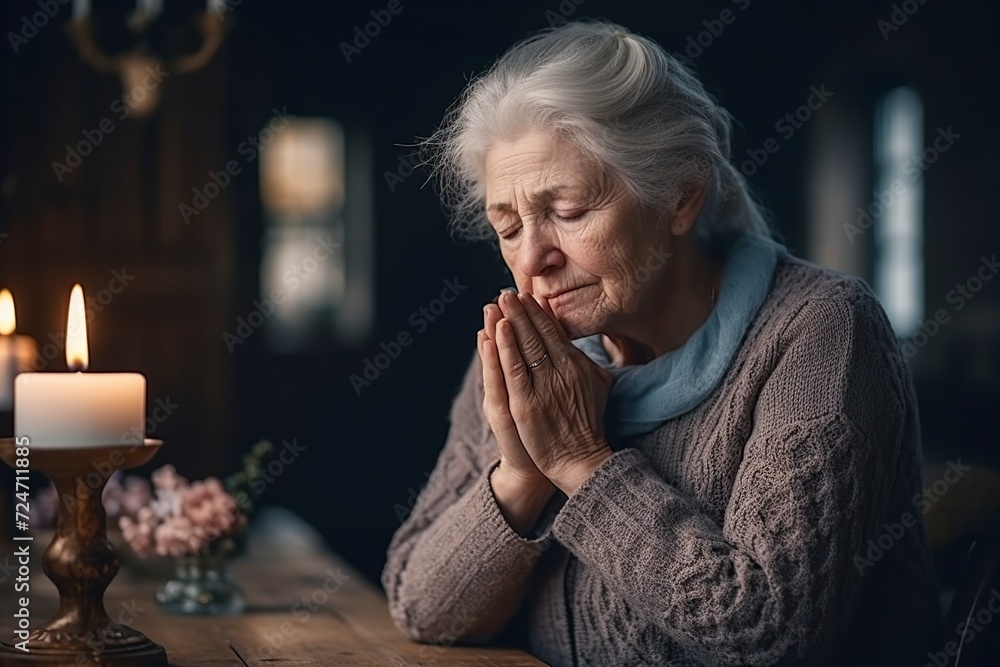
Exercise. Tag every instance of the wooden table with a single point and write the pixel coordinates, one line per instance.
(285, 563)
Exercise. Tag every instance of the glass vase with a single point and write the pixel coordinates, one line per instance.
(201, 586)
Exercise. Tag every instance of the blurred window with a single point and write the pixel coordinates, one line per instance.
(316, 209)
(899, 208)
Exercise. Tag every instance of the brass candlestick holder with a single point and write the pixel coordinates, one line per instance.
(81, 563)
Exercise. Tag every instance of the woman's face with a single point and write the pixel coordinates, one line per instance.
(570, 232)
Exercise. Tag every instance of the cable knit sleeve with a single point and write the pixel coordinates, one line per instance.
(455, 569)
(776, 582)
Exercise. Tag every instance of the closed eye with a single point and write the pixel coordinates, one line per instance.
(569, 218)
(510, 235)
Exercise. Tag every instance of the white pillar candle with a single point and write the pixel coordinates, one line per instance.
(79, 409)
(17, 353)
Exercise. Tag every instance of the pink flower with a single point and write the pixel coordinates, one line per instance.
(174, 537)
(138, 532)
(137, 494)
(170, 488)
(178, 517)
(211, 511)
(167, 479)
(125, 494)
(112, 496)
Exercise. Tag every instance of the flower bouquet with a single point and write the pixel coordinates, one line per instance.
(194, 523)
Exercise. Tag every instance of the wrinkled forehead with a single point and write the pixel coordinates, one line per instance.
(537, 168)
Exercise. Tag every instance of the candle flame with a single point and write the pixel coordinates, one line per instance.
(77, 354)
(7, 320)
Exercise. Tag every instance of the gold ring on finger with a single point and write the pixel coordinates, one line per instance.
(539, 362)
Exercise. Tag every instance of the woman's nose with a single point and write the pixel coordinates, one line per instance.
(539, 252)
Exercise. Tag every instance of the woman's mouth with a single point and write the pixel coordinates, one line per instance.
(557, 296)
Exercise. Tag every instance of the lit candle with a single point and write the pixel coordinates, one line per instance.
(79, 409)
(17, 353)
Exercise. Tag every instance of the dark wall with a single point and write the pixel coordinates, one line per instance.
(365, 453)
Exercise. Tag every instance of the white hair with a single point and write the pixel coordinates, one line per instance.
(621, 99)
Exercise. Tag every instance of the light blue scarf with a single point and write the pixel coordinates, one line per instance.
(645, 396)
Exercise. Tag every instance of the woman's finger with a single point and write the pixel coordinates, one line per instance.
(515, 369)
(547, 307)
(495, 400)
(552, 337)
(529, 343)
(491, 315)
(513, 455)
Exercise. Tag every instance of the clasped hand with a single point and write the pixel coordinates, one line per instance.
(547, 419)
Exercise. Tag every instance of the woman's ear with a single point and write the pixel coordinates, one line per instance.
(687, 209)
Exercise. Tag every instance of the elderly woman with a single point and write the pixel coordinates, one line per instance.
(676, 443)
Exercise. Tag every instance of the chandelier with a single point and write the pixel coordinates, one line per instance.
(146, 22)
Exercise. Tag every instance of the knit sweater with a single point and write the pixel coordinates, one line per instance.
(739, 533)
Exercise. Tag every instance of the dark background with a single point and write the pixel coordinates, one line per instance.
(367, 454)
